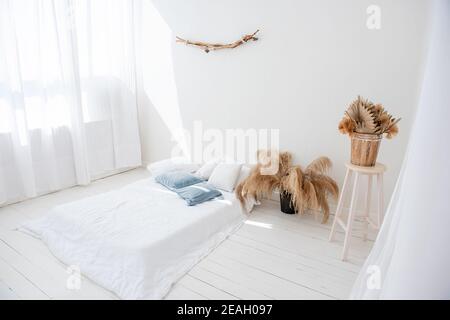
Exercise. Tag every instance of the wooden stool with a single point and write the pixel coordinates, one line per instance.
(377, 170)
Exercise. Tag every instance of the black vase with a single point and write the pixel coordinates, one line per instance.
(286, 203)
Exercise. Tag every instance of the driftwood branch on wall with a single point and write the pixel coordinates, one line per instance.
(207, 47)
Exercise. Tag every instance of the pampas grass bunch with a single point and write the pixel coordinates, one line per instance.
(309, 187)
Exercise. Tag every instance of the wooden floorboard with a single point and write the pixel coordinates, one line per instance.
(272, 256)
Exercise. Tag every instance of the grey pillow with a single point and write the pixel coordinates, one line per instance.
(198, 193)
(177, 179)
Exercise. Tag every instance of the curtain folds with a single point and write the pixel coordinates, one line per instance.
(410, 258)
(68, 108)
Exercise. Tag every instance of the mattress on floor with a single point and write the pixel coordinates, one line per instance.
(138, 240)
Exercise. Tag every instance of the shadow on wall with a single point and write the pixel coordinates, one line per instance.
(158, 105)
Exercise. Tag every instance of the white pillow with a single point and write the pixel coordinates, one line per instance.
(225, 175)
(245, 172)
(205, 171)
(172, 164)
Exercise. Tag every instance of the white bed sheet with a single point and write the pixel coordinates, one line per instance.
(138, 240)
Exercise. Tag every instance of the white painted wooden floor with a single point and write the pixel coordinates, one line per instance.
(272, 256)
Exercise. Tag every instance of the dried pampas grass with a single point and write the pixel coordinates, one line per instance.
(320, 165)
(309, 188)
(392, 131)
(347, 126)
(292, 183)
(259, 185)
(326, 186)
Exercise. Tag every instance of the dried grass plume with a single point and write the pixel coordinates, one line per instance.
(309, 188)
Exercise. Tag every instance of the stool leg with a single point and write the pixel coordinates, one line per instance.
(348, 176)
(367, 208)
(351, 215)
(380, 200)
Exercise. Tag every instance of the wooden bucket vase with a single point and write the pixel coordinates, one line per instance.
(365, 149)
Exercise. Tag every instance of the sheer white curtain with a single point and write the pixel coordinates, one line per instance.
(67, 94)
(411, 258)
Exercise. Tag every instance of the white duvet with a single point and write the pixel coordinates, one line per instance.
(138, 240)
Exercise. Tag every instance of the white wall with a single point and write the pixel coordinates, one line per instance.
(312, 60)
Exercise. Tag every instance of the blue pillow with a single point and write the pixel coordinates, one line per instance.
(198, 193)
(177, 179)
